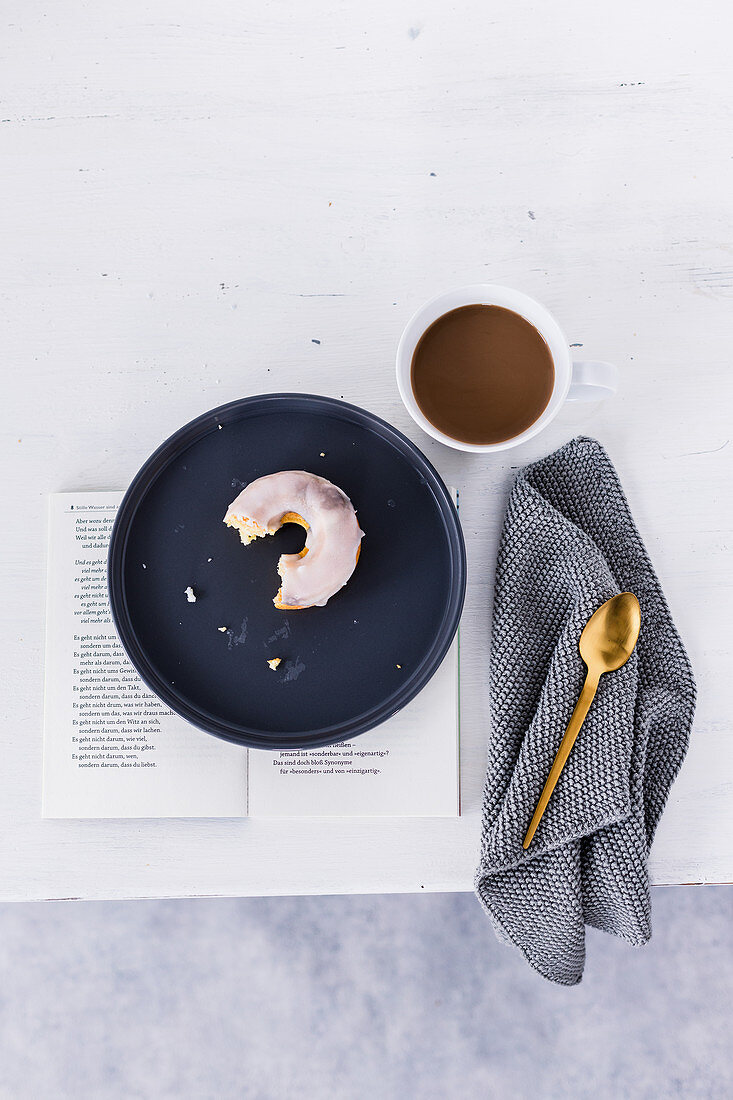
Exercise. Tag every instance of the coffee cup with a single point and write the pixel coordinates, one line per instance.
(570, 380)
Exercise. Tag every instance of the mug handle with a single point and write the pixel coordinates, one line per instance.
(592, 381)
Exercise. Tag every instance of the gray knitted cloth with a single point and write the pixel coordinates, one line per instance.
(568, 544)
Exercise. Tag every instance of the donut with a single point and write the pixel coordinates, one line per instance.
(332, 541)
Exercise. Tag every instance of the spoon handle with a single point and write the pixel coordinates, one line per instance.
(582, 707)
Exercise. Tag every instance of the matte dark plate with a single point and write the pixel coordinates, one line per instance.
(339, 674)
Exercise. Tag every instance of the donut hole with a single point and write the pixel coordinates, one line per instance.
(293, 517)
(297, 520)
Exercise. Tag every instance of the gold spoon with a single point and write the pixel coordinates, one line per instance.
(607, 642)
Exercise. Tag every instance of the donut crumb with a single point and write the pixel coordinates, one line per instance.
(274, 662)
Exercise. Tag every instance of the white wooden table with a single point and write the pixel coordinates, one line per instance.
(194, 195)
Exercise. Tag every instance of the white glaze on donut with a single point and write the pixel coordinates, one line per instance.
(332, 542)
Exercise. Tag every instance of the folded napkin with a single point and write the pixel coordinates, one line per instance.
(569, 543)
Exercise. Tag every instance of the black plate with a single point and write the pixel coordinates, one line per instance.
(339, 674)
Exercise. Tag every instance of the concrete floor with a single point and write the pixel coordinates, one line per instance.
(406, 997)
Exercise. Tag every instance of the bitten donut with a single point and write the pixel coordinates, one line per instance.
(332, 541)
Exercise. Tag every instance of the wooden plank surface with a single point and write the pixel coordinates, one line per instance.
(192, 196)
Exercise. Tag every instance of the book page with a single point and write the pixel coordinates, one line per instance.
(111, 747)
(407, 767)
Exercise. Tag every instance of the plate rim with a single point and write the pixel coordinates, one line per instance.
(241, 734)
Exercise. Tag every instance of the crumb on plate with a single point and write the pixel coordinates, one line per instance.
(274, 662)
(190, 595)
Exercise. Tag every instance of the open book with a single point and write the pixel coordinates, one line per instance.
(113, 749)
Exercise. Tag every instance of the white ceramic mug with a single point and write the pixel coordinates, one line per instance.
(586, 381)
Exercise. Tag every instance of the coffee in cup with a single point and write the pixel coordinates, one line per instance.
(482, 374)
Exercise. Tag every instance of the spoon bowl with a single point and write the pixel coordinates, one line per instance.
(610, 635)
